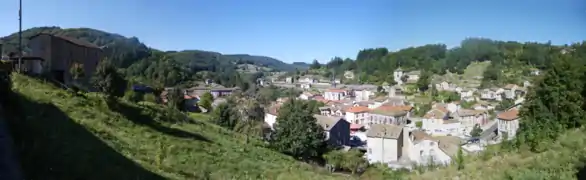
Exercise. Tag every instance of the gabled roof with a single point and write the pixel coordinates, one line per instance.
(74, 41)
(327, 122)
(336, 90)
(387, 131)
(357, 109)
(511, 114)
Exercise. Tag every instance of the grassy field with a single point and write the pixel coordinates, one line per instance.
(63, 136)
(564, 159)
(469, 78)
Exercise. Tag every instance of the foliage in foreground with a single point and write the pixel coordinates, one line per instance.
(62, 136)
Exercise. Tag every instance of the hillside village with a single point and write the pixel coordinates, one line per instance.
(387, 130)
(398, 124)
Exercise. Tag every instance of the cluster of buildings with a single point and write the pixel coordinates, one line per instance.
(388, 132)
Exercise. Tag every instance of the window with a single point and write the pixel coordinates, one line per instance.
(431, 143)
(369, 151)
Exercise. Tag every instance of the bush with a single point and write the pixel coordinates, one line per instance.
(150, 97)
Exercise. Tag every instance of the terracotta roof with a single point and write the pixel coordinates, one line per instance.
(396, 108)
(188, 97)
(70, 40)
(357, 109)
(384, 131)
(509, 115)
(335, 90)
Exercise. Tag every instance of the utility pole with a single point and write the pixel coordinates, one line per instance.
(19, 35)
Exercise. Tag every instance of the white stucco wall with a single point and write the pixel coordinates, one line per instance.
(509, 127)
(381, 150)
(270, 119)
(426, 150)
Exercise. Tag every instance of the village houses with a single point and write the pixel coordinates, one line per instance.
(437, 122)
(492, 94)
(469, 118)
(425, 149)
(397, 115)
(508, 122)
(335, 94)
(357, 114)
(384, 143)
(337, 130)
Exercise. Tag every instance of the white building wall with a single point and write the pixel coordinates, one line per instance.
(270, 119)
(427, 150)
(381, 150)
(509, 127)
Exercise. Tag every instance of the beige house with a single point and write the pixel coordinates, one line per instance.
(60, 54)
(385, 143)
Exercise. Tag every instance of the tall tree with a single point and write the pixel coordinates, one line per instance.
(225, 116)
(296, 132)
(206, 101)
(554, 104)
(108, 81)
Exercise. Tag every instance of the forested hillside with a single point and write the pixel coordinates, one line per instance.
(509, 60)
(153, 66)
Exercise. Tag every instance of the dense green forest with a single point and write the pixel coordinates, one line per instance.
(150, 66)
(508, 59)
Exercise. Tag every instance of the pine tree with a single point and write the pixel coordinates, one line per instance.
(296, 132)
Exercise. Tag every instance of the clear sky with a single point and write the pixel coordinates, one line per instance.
(301, 30)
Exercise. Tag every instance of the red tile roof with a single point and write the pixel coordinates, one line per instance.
(357, 109)
(336, 90)
(509, 115)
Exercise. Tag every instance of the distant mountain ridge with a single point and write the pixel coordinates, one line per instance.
(124, 51)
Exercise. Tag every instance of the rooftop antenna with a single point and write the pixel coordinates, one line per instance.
(19, 34)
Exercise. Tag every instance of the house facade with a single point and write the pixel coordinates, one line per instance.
(384, 143)
(336, 129)
(357, 114)
(508, 122)
(436, 122)
(396, 115)
(425, 150)
(362, 95)
(60, 54)
(334, 94)
(469, 118)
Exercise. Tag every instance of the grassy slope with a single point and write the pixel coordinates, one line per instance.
(71, 137)
(467, 79)
(560, 161)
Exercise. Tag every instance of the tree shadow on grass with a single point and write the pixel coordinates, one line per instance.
(137, 116)
(52, 146)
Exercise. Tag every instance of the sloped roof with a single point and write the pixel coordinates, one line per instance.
(326, 122)
(509, 115)
(74, 41)
(357, 109)
(384, 131)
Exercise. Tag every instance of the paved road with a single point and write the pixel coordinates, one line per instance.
(9, 168)
(488, 130)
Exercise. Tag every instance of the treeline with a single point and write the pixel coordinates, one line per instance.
(145, 65)
(376, 65)
(556, 103)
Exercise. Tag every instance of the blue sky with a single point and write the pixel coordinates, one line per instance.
(301, 30)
